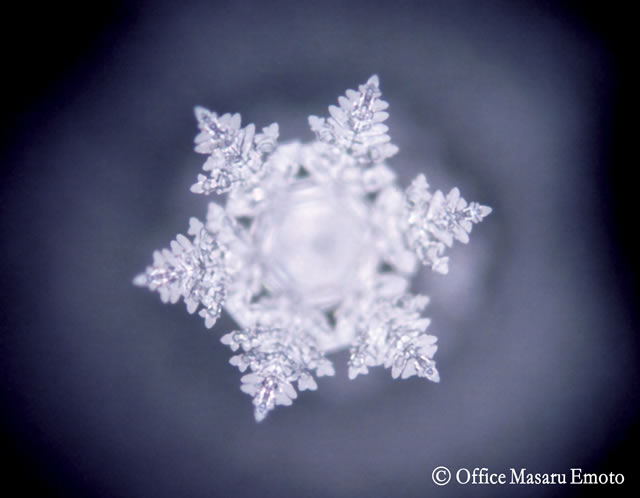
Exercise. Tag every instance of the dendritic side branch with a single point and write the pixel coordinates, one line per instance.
(393, 335)
(277, 358)
(237, 156)
(356, 124)
(193, 269)
(435, 220)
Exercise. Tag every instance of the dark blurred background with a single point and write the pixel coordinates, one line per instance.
(523, 105)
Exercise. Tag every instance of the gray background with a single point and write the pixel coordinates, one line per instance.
(110, 393)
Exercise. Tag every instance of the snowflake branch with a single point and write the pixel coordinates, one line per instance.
(356, 126)
(277, 358)
(435, 220)
(410, 349)
(393, 335)
(237, 156)
(191, 269)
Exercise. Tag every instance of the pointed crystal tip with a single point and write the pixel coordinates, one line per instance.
(260, 412)
(374, 80)
(140, 280)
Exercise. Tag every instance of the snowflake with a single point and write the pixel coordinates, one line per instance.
(314, 249)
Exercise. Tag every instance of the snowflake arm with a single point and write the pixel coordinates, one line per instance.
(193, 269)
(356, 125)
(277, 358)
(435, 220)
(237, 156)
(410, 349)
(393, 335)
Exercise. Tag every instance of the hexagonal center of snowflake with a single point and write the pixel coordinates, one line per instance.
(316, 243)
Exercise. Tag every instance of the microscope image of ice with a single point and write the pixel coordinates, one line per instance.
(313, 250)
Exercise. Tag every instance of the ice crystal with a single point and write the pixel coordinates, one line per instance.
(392, 333)
(356, 126)
(277, 358)
(313, 250)
(435, 220)
(236, 155)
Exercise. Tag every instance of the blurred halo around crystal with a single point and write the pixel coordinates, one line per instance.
(108, 393)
